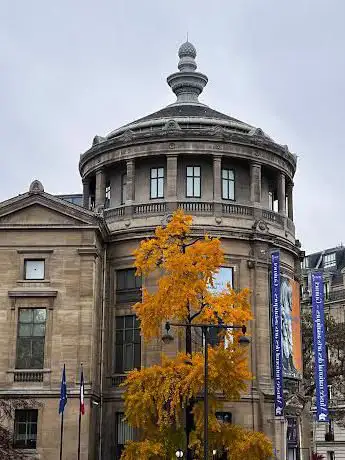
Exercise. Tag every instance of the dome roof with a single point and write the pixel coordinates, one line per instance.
(187, 49)
(187, 112)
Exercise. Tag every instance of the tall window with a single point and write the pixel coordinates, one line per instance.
(193, 189)
(124, 432)
(270, 200)
(329, 260)
(228, 184)
(25, 429)
(107, 195)
(128, 286)
(127, 344)
(157, 183)
(123, 188)
(30, 338)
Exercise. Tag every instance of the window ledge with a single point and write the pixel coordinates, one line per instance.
(32, 292)
(33, 281)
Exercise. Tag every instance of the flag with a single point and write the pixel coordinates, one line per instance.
(63, 392)
(81, 393)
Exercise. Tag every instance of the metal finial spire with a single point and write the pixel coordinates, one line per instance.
(187, 84)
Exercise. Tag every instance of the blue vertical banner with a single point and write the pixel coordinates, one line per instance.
(319, 348)
(277, 335)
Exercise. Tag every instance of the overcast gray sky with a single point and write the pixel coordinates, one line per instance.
(75, 68)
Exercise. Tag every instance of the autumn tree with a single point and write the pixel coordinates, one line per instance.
(155, 397)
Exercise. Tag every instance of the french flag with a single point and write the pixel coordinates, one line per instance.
(81, 393)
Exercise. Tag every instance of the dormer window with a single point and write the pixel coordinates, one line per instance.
(329, 260)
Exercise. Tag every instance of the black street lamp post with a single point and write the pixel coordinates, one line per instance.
(167, 338)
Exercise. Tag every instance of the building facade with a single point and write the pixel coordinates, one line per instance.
(328, 438)
(238, 185)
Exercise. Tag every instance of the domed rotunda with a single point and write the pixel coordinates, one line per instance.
(236, 182)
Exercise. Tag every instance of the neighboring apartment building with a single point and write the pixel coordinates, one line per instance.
(67, 272)
(328, 438)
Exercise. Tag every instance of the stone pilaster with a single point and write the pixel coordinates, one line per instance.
(217, 178)
(100, 189)
(86, 193)
(290, 200)
(281, 194)
(255, 183)
(130, 182)
(171, 178)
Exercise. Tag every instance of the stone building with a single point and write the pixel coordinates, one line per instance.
(328, 438)
(70, 268)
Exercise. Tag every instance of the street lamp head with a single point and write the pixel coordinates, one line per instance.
(244, 341)
(214, 452)
(167, 337)
(179, 453)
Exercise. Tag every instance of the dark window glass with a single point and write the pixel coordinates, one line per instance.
(25, 429)
(157, 183)
(128, 286)
(123, 188)
(127, 344)
(228, 184)
(193, 186)
(124, 432)
(31, 338)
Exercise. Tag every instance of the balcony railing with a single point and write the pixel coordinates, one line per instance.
(116, 380)
(28, 376)
(198, 207)
(237, 209)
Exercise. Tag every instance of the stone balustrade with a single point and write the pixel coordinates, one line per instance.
(204, 208)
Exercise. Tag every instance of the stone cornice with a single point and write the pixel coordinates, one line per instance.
(32, 292)
(260, 149)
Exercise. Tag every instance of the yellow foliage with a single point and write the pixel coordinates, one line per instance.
(143, 450)
(155, 397)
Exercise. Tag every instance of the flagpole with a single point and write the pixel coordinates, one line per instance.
(81, 389)
(62, 404)
(79, 434)
(61, 435)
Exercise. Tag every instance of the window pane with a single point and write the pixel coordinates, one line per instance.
(160, 172)
(119, 360)
(128, 357)
(190, 171)
(231, 174)
(197, 190)
(160, 193)
(154, 172)
(130, 279)
(231, 192)
(26, 316)
(25, 330)
(129, 336)
(40, 315)
(153, 188)
(189, 186)
(225, 173)
(137, 356)
(197, 171)
(120, 279)
(39, 330)
(129, 321)
(34, 269)
(225, 189)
